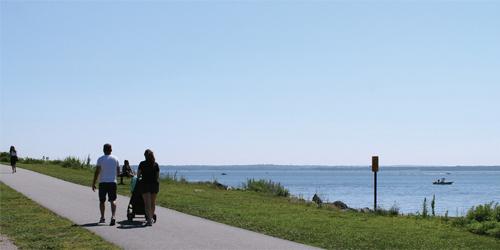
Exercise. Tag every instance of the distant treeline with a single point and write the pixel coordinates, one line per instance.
(68, 162)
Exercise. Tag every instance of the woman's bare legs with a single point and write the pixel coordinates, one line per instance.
(153, 203)
(147, 206)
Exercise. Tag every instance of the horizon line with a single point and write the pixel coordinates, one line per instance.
(316, 165)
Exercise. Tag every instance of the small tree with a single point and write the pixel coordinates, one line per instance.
(433, 204)
(425, 212)
(88, 160)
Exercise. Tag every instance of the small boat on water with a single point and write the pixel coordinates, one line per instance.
(442, 181)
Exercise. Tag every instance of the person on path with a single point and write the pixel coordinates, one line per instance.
(126, 171)
(149, 174)
(107, 169)
(13, 158)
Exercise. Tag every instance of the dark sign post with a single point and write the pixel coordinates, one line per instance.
(374, 170)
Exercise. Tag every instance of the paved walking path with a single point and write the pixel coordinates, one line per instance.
(174, 230)
(6, 243)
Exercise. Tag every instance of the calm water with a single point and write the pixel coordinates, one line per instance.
(404, 186)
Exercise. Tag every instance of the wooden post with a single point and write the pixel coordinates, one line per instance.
(374, 170)
(375, 191)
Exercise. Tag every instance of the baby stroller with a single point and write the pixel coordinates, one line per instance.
(136, 204)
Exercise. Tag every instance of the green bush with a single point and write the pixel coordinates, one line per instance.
(459, 222)
(425, 210)
(496, 213)
(495, 232)
(482, 219)
(29, 160)
(433, 205)
(482, 227)
(4, 157)
(393, 211)
(482, 213)
(445, 217)
(264, 186)
(72, 162)
(56, 162)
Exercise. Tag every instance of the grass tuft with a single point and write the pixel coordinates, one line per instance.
(268, 187)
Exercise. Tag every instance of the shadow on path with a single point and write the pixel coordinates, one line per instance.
(125, 224)
(95, 224)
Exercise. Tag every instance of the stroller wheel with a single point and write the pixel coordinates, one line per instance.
(154, 218)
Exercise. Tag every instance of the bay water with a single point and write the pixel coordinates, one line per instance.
(401, 186)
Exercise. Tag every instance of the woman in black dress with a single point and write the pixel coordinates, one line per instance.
(149, 174)
(13, 158)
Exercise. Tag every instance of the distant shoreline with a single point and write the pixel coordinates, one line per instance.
(330, 166)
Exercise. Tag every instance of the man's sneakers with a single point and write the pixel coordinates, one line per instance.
(112, 223)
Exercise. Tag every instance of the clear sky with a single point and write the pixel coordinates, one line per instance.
(416, 82)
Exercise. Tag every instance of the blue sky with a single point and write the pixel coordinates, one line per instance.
(253, 82)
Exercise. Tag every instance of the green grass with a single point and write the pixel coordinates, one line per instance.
(31, 226)
(266, 186)
(299, 221)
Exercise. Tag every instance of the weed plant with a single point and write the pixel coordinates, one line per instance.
(425, 211)
(433, 205)
(4, 157)
(72, 162)
(264, 186)
(393, 211)
(29, 160)
(483, 219)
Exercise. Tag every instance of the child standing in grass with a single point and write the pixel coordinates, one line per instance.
(13, 158)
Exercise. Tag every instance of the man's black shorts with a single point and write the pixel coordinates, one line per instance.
(108, 188)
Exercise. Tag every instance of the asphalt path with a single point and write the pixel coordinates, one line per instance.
(173, 230)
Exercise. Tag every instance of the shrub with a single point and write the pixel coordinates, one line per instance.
(433, 205)
(393, 211)
(496, 213)
(495, 232)
(169, 177)
(481, 219)
(264, 186)
(56, 162)
(173, 178)
(482, 213)
(72, 162)
(459, 222)
(445, 218)
(4, 157)
(481, 228)
(29, 160)
(425, 211)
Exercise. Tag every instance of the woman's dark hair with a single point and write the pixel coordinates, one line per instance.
(150, 157)
(125, 162)
(12, 149)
